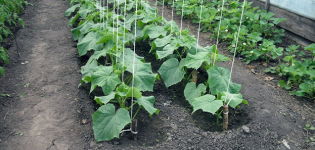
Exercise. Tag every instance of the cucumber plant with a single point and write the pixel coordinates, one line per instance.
(298, 71)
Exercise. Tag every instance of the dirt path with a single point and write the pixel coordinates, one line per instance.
(43, 110)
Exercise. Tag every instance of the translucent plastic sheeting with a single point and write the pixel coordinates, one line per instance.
(304, 8)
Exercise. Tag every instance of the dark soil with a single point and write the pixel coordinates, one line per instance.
(45, 108)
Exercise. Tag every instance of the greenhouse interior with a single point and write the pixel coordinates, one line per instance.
(157, 74)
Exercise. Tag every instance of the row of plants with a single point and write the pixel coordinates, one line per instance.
(258, 35)
(109, 60)
(258, 39)
(298, 71)
(106, 35)
(9, 19)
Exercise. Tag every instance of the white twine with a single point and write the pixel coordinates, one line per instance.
(124, 38)
(163, 8)
(114, 19)
(103, 13)
(172, 15)
(181, 20)
(107, 11)
(156, 7)
(117, 40)
(218, 32)
(234, 53)
(133, 64)
(198, 34)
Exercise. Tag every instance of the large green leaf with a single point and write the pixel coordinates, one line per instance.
(187, 40)
(195, 61)
(171, 72)
(206, 103)
(72, 9)
(134, 92)
(154, 31)
(89, 42)
(160, 42)
(144, 78)
(108, 123)
(167, 50)
(96, 55)
(81, 30)
(191, 91)
(130, 21)
(150, 16)
(124, 90)
(218, 79)
(88, 69)
(127, 59)
(85, 10)
(147, 103)
(233, 99)
(104, 78)
(103, 100)
(89, 26)
(108, 35)
(76, 35)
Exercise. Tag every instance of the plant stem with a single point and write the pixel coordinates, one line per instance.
(121, 102)
(194, 76)
(180, 56)
(134, 116)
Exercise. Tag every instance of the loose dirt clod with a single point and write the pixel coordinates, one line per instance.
(245, 129)
(84, 121)
(285, 143)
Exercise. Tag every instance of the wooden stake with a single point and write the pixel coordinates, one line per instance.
(135, 129)
(225, 117)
